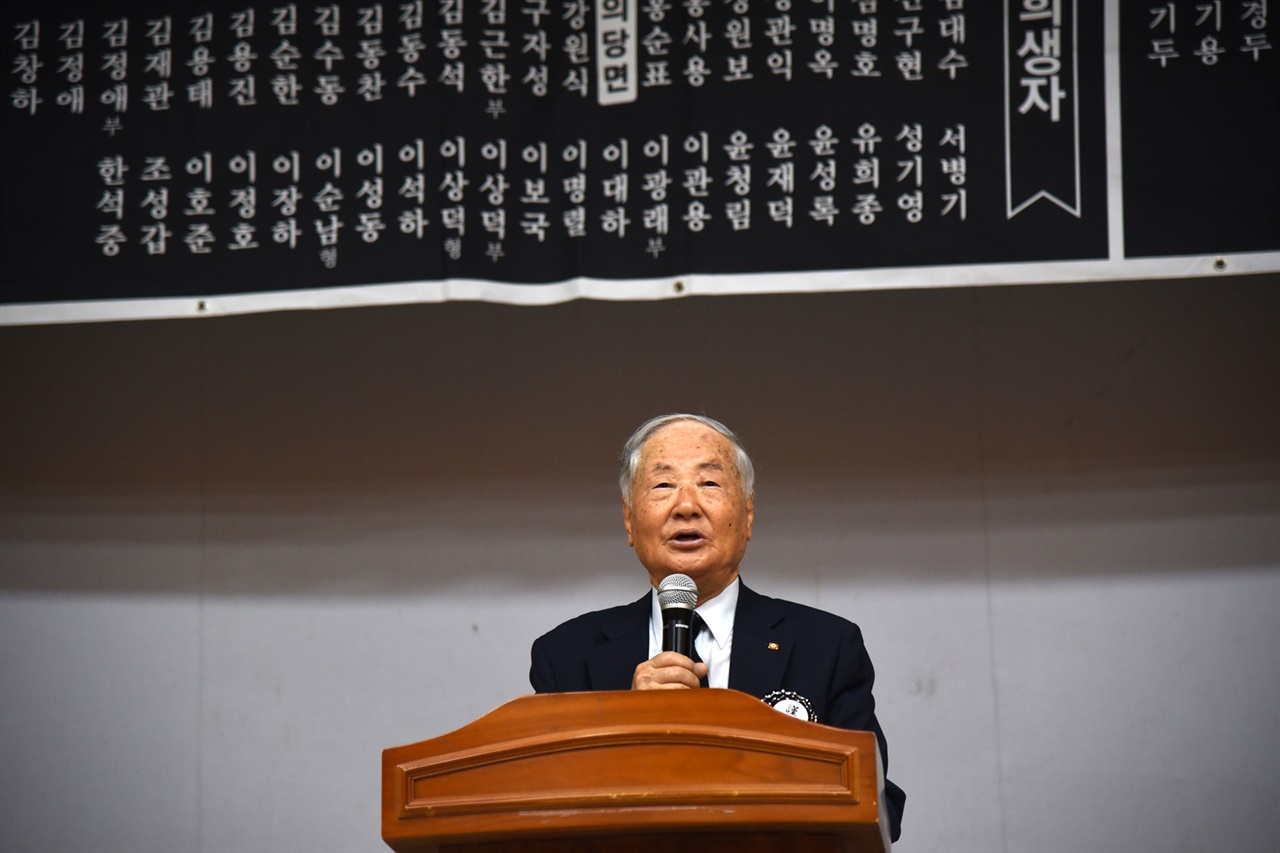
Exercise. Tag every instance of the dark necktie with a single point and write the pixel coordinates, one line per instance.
(697, 627)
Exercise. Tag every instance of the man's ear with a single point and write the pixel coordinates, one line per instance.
(626, 521)
(751, 513)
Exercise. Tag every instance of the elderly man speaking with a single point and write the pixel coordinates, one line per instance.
(688, 503)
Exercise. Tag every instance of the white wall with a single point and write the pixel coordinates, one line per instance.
(239, 557)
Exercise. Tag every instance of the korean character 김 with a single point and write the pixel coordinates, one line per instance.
(370, 19)
(285, 19)
(159, 32)
(28, 37)
(242, 24)
(70, 34)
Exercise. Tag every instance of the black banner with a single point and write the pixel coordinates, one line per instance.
(178, 149)
(1200, 92)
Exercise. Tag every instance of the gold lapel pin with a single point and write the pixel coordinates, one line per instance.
(773, 647)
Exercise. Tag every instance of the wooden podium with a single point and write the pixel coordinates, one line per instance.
(636, 771)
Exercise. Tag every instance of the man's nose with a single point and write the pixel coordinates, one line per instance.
(687, 500)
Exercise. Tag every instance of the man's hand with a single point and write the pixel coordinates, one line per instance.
(667, 671)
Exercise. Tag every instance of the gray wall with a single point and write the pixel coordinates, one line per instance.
(240, 556)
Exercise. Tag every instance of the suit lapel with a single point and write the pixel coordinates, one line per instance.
(754, 667)
(611, 665)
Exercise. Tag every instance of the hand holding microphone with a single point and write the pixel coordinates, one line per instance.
(673, 667)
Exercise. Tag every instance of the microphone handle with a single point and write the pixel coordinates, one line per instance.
(677, 631)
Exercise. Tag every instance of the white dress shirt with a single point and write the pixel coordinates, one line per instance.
(714, 642)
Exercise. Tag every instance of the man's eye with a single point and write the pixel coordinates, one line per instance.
(711, 483)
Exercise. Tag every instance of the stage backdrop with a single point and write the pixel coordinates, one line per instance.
(178, 158)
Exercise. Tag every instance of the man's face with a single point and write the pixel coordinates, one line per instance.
(687, 511)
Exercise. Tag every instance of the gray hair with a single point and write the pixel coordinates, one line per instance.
(631, 451)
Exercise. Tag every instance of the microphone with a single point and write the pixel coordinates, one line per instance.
(677, 596)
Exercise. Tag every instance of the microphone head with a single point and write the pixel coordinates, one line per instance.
(677, 591)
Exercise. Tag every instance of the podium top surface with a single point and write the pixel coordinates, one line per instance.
(613, 765)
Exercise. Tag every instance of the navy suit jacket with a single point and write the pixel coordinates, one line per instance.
(819, 656)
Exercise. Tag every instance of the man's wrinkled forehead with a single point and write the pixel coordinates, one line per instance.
(687, 444)
(711, 466)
